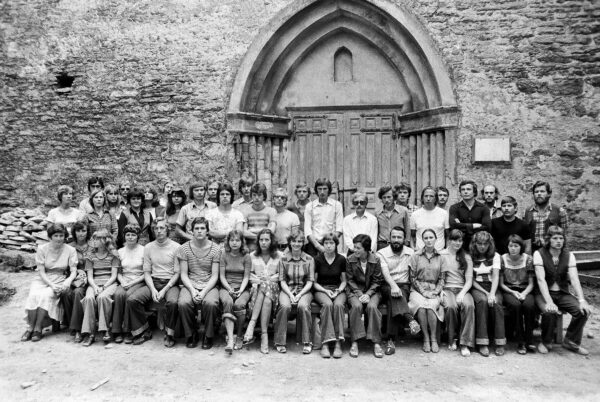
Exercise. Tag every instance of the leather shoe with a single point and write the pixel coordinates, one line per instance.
(567, 344)
(484, 351)
(36, 336)
(78, 338)
(193, 340)
(390, 348)
(207, 343)
(119, 338)
(169, 342)
(88, 340)
(354, 350)
(337, 350)
(541, 348)
(325, 353)
(377, 351)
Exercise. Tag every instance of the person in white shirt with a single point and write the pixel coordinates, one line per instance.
(321, 216)
(224, 218)
(429, 216)
(245, 189)
(360, 222)
(286, 220)
(95, 183)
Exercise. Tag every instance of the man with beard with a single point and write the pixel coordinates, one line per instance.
(543, 214)
(469, 216)
(396, 290)
(508, 225)
(490, 195)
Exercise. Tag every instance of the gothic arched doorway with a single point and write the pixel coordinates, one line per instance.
(350, 90)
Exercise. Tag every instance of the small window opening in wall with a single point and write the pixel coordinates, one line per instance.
(64, 82)
(342, 65)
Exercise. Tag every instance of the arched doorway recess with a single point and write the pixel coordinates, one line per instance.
(351, 90)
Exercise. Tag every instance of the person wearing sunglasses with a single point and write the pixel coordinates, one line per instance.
(359, 222)
(286, 220)
(95, 183)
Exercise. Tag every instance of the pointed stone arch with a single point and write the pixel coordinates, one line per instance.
(267, 91)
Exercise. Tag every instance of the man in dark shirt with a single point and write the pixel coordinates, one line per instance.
(469, 215)
(508, 224)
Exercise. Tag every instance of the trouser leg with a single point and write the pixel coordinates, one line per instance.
(569, 304)
(374, 317)
(514, 312)
(498, 311)
(89, 312)
(451, 314)
(105, 307)
(481, 317)
(305, 316)
(135, 306)
(186, 309)
(281, 319)
(357, 327)
(210, 312)
(467, 321)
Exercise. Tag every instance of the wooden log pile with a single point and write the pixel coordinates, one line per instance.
(23, 229)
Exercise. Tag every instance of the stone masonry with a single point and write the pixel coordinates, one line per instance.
(151, 82)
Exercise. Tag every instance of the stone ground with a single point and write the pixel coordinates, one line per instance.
(61, 370)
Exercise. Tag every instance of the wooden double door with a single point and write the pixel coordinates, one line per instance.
(362, 150)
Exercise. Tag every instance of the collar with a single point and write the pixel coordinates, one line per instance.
(329, 201)
(288, 256)
(534, 207)
(371, 258)
(195, 206)
(355, 216)
(395, 209)
(422, 252)
(388, 253)
(475, 204)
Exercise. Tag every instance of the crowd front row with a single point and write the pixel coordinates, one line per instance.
(97, 290)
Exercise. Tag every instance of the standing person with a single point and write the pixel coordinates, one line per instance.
(71, 297)
(328, 288)
(302, 193)
(258, 215)
(43, 302)
(212, 189)
(469, 215)
(359, 222)
(403, 192)
(443, 195)
(199, 263)
(391, 215)
(65, 214)
(286, 221)
(296, 277)
(234, 274)
(131, 278)
(458, 280)
(167, 189)
(429, 216)
(161, 274)
(396, 289)
(363, 270)
(197, 207)
(101, 264)
(113, 201)
(124, 188)
(134, 214)
(100, 217)
(508, 224)
(486, 294)
(517, 282)
(224, 218)
(152, 203)
(175, 201)
(264, 294)
(543, 214)
(425, 300)
(321, 216)
(555, 266)
(245, 188)
(95, 183)
(489, 196)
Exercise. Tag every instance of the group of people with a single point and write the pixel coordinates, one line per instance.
(125, 249)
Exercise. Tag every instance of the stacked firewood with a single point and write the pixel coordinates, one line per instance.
(23, 229)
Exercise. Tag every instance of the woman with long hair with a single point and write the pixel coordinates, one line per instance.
(458, 279)
(113, 201)
(176, 199)
(486, 294)
(264, 294)
(555, 267)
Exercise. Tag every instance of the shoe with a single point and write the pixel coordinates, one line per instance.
(426, 346)
(88, 340)
(264, 344)
(281, 349)
(325, 353)
(26, 336)
(107, 338)
(390, 348)
(237, 343)
(377, 351)
(541, 348)
(452, 347)
(207, 343)
(55, 326)
(193, 340)
(435, 348)
(128, 339)
(307, 349)
(354, 350)
(169, 342)
(147, 334)
(521, 349)
(138, 340)
(36, 336)
(566, 344)
(500, 351)
(229, 346)
(337, 350)
(414, 326)
(119, 338)
(78, 338)
(531, 348)
(464, 351)
(484, 351)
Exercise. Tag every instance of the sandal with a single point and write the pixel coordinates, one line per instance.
(434, 347)
(26, 336)
(354, 350)
(426, 346)
(307, 349)
(36, 336)
(107, 338)
(264, 344)
(281, 349)
(238, 343)
(119, 338)
(88, 340)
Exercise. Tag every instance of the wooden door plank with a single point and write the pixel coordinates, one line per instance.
(439, 139)
(425, 162)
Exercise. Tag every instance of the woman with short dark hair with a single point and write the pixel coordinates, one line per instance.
(135, 214)
(224, 218)
(43, 303)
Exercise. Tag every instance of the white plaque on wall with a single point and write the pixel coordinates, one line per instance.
(491, 150)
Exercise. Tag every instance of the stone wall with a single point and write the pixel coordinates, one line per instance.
(152, 82)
